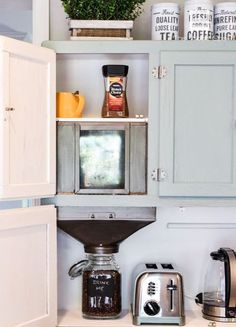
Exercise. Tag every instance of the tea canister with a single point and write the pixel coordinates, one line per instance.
(165, 21)
(198, 20)
(225, 21)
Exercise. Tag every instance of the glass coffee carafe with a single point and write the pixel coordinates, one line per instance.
(219, 296)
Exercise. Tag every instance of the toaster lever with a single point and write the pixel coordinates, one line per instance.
(171, 287)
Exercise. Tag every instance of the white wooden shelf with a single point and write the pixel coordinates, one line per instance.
(104, 120)
(68, 199)
(104, 200)
(74, 319)
(132, 46)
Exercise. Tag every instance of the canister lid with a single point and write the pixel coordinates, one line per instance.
(165, 5)
(115, 70)
(198, 3)
(225, 4)
(107, 249)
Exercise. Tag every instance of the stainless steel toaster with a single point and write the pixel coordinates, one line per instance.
(157, 295)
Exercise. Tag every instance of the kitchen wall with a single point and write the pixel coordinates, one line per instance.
(142, 25)
(182, 236)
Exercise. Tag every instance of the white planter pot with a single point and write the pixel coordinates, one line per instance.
(100, 29)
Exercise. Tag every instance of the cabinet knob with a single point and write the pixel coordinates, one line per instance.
(9, 109)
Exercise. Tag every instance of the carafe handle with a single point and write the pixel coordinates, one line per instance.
(230, 272)
(199, 299)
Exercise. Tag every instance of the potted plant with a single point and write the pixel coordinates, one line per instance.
(102, 18)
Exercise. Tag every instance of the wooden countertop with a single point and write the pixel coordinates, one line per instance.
(74, 319)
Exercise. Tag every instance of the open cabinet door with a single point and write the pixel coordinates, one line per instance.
(27, 120)
(28, 267)
(28, 280)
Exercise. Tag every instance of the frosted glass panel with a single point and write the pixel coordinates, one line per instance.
(102, 159)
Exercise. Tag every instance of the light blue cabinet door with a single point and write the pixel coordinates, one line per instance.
(197, 123)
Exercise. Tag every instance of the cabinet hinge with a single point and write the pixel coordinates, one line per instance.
(159, 72)
(159, 175)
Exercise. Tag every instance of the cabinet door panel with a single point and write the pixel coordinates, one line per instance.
(28, 267)
(28, 128)
(197, 124)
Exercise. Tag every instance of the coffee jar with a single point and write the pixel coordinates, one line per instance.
(198, 20)
(225, 21)
(165, 21)
(101, 288)
(115, 100)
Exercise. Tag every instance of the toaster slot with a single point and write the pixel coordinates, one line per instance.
(151, 265)
(167, 266)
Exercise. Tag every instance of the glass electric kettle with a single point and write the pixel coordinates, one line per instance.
(219, 296)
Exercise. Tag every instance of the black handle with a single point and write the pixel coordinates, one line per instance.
(199, 298)
(230, 277)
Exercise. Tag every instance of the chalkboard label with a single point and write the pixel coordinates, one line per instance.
(102, 286)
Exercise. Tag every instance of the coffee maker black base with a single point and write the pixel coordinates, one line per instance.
(220, 314)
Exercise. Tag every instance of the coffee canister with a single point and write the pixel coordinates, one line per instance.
(198, 20)
(225, 21)
(165, 21)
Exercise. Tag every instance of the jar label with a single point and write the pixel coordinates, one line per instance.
(116, 98)
(101, 286)
(225, 23)
(101, 293)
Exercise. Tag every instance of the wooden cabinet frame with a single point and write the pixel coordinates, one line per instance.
(40, 21)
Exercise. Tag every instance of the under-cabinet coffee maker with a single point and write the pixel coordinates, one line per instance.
(101, 231)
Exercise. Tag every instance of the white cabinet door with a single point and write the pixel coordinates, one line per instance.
(28, 279)
(197, 124)
(27, 120)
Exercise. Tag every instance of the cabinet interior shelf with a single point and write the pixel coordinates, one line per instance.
(104, 120)
(64, 199)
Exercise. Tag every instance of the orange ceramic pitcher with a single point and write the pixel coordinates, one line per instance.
(70, 105)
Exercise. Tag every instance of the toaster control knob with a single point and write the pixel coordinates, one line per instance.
(151, 308)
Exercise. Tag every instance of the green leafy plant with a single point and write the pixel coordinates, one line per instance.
(103, 9)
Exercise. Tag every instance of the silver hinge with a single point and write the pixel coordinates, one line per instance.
(159, 72)
(159, 175)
